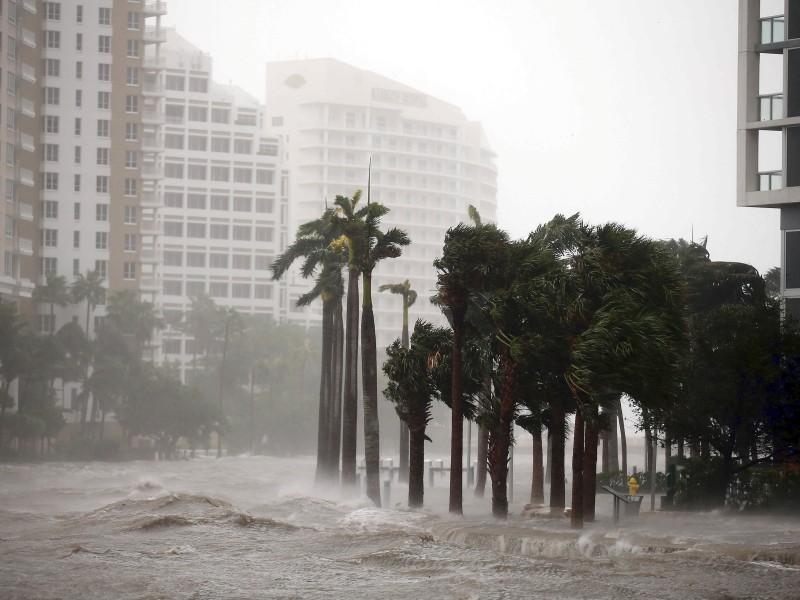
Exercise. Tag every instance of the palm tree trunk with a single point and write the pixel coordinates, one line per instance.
(402, 475)
(590, 470)
(335, 408)
(324, 392)
(369, 382)
(350, 400)
(557, 475)
(537, 473)
(416, 470)
(500, 438)
(457, 419)
(483, 451)
(576, 515)
(623, 442)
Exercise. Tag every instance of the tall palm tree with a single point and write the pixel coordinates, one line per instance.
(55, 292)
(409, 296)
(133, 317)
(315, 245)
(351, 224)
(376, 246)
(463, 272)
(90, 288)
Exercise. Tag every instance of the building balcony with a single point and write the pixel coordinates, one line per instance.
(152, 117)
(773, 30)
(152, 88)
(28, 107)
(23, 246)
(28, 73)
(770, 180)
(149, 284)
(151, 172)
(154, 35)
(28, 38)
(150, 227)
(154, 63)
(29, 5)
(149, 256)
(152, 143)
(24, 211)
(26, 142)
(152, 8)
(770, 107)
(26, 177)
(149, 199)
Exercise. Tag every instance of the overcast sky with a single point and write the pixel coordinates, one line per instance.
(621, 110)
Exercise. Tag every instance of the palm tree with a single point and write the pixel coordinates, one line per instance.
(133, 317)
(89, 287)
(376, 246)
(200, 323)
(409, 297)
(463, 272)
(13, 355)
(55, 292)
(315, 245)
(231, 323)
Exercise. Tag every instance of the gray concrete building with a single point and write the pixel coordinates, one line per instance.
(768, 136)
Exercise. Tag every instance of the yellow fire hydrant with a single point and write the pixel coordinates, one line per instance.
(633, 486)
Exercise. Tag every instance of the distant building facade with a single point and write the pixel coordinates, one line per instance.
(771, 112)
(429, 163)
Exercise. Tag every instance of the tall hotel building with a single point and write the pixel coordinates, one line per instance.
(768, 136)
(224, 202)
(429, 163)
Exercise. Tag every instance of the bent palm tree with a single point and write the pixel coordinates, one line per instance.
(55, 292)
(409, 297)
(89, 287)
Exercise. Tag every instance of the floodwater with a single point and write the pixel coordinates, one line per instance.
(253, 527)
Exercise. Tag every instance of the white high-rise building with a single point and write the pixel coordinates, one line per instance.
(222, 200)
(429, 163)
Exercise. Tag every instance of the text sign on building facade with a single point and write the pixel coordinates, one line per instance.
(398, 97)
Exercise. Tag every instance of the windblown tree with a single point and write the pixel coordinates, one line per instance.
(464, 270)
(135, 319)
(88, 288)
(376, 246)
(315, 246)
(408, 296)
(55, 292)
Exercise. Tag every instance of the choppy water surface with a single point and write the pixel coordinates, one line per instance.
(253, 527)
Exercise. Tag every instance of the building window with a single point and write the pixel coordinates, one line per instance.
(79, 42)
(79, 14)
(131, 131)
(51, 152)
(175, 82)
(217, 260)
(173, 141)
(263, 262)
(195, 288)
(79, 70)
(131, 103)
(265, 177)
(263, 291)
(104, 72)
(104, 16)
(50, 209)
(196, 201)
(103, 100)
(11, 154)
(77, 155)
(196, 230)
(12, 48)
(11, 119)
(52, 39)
(220, 144)
(220, 115)
(133, 21)
(50, 181)
(263, 234)
(243, 146)
(240, 290)
(219, 202)
(101, 266)
(133, 48)
(132, 75)
(242, 204)
(102, 156)
(197, 142)
(77, 126)
(218, 231)
(199, 84)
(101, 240)
(76, 267)
(220, 173)
(173, 229)
(102, 127)
(129, 270)
(241, 261)
(76, 185)
(130, 186)
(52, 11)
(52, 96)
(173, 170)
(76, 239)
(198, 114)
(218, 289)
(196, 172)
(130, 215)
(129, 242)
(49, 238)
(173, 199)
(173, 258)
(131, 159)
(104, 44)
(76, 211)
(173, 288)
(263, 205)
(101, 185)
(101, 212)
(47, 323)
(242, 175)
(242, 232)
(52, 67)
(78, 98)
(195, 259)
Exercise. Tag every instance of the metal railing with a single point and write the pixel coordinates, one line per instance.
(770, 180)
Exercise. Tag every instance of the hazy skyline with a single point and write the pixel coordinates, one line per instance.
(621, 110)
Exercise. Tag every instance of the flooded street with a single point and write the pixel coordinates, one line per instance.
(254, 527)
